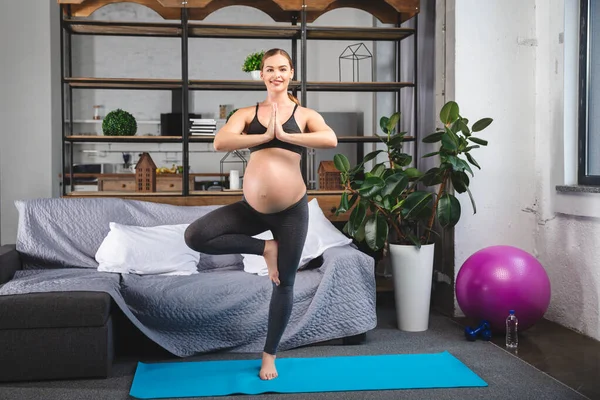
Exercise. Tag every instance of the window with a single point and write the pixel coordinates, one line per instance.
(589, 94)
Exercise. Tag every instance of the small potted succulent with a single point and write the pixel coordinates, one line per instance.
(119, 123)
(252, 64)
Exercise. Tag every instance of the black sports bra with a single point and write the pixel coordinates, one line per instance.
(290, 126)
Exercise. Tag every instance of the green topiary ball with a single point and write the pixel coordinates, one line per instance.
(252, 61)
(119, 123)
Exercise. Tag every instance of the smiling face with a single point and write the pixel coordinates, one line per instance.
(276, 72)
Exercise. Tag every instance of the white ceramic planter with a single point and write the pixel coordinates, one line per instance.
(412, 273)
(255, 75)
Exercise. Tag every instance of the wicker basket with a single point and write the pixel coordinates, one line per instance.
(329, 176)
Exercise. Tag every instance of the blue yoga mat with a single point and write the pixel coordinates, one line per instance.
(302, 375)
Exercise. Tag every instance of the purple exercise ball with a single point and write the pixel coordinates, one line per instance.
(497, 279)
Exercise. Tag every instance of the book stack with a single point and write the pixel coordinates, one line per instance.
(203, 126)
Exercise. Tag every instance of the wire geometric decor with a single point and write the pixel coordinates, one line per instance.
(355, 52)
(241, 159)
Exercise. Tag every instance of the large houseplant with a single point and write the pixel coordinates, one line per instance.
(394, 210)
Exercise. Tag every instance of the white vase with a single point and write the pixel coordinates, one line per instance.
(255, 75)
(412, 270)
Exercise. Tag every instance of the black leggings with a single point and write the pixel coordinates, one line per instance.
(229, 230)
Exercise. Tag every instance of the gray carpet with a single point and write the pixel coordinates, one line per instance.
(507, 376)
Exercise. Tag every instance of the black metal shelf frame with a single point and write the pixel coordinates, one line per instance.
(188, 30)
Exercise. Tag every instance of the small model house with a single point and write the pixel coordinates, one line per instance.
(329, 176)
(145, 174)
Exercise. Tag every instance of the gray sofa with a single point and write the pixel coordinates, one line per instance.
(62, 318)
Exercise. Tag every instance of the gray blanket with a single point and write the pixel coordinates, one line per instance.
(221, 308)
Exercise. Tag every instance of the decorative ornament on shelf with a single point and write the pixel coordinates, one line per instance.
(252, 64)
(329, 176)
(97, 112)
(355, 52)
(241, 160)
(224, 109)
(119, 123)
(145, 174)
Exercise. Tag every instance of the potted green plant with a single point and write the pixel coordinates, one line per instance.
(119, 123)
(392, 208)
(252, 64)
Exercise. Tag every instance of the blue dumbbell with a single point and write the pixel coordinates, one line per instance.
(482, 330)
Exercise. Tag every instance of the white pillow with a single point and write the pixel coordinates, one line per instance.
(321, 235)
(156, 250)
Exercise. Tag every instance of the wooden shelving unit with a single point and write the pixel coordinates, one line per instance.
(194, 139)
(239, 85)
(122, 83)
(357, 86)
(387, 11)
(236, 85)
(123, 139)
(358, 33)
(367, 139)
(112, 28)
(199, 30)
(184, 21)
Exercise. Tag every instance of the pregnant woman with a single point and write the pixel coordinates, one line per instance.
(276, 131)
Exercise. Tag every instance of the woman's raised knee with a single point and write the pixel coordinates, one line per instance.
(194, 237)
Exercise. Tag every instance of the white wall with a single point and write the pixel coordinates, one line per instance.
(509, 64)
(495, 77)
(568, 236)
(30, 95)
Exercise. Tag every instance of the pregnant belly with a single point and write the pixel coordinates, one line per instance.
(273, 180)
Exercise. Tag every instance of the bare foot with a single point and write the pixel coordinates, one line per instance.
(270, 255)
(267, 370)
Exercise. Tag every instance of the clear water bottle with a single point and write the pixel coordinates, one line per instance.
(512, 323)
